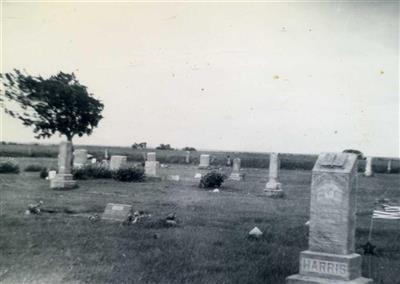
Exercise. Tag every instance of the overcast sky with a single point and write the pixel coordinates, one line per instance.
(285, 77)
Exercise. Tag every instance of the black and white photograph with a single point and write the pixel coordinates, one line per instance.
(199, 142)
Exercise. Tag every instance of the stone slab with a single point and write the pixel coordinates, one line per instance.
(117, 212)
(332, 266)
(236, 177)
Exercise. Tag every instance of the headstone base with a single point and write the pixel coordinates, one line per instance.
(274, 193)
(236, 176)
(303, 279)
(368, 174)
(203, 167)
(318, 267)
(63, 181)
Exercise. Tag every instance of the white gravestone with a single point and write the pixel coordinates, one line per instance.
(151, 166)
(204, 161)
(187, 157)
(80, 158)
(236, 175)
(368, 167)
(273, 187)
(118, 162)
(331, 256)
(63, 179)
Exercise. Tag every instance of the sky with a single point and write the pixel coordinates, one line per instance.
(297, 77)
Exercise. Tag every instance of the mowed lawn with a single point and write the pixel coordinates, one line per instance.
(209, 245)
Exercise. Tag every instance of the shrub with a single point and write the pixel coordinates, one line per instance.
(129, 174)
(92, 172)
(191, 149)
(43, 173)
(212, 180)
(164, 147)
(9, 167)
(34, 168)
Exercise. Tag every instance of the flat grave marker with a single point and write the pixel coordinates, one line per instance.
(117, 212)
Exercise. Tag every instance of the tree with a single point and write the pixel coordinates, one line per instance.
(56, 104)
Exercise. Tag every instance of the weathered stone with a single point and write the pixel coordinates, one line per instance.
(80, 158)
(255, 232)
(117, 212)
(389, 166)
(151, 157)
(151, 166)
(187, 157)
(368, 167)
(118, 162)
(63, 179)
(236, 175)
(331, 258)
(273, 187)
(204, 161)
(197, 176)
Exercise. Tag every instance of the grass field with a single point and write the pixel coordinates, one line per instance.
(209, 245)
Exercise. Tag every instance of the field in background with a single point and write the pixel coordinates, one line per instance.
(209, 245)
(249, 160)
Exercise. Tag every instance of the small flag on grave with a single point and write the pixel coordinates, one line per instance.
(387, 212)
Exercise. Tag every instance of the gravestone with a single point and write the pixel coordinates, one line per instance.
(173, 177)
(117, 212)
(151, 166)
(187, 157)
(63, 179)
(368, 167)
(51, 174)
(389, 166)
(204, 161)
(118, 162)
(80, 158)
(197, 176)
(331, 256)
(273, 187)
(236, 175)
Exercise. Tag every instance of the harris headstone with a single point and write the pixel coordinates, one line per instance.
(331, 256)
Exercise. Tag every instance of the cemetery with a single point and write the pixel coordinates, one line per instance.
(185, 142)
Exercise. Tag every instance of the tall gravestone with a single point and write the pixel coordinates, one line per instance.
(117, 162)
(389, 166)
(204, 161)
(80, 158)
(63, 179)
(273, 187)
(331, 257)
(187, 157)
(368, 167)
(236, 175)
(151, 166)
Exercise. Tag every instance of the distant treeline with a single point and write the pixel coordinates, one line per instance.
(248, 160)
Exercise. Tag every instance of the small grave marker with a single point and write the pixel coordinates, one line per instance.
(117, 212)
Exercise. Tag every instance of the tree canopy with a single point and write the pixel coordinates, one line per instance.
(56, 104)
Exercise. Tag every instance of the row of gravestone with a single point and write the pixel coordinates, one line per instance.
(331, 256)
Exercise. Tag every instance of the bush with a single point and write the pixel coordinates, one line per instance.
(92, 172)
(129, 174)
(191, 149)
(164, 147)
(9, 167)
(34, 168)
(212, 180)
(43, 173)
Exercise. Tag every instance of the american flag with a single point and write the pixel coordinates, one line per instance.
(387, 212)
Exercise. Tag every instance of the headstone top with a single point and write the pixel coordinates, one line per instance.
(336, 162)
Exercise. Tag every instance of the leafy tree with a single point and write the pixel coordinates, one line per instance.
(56, 104)
(164, 147)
